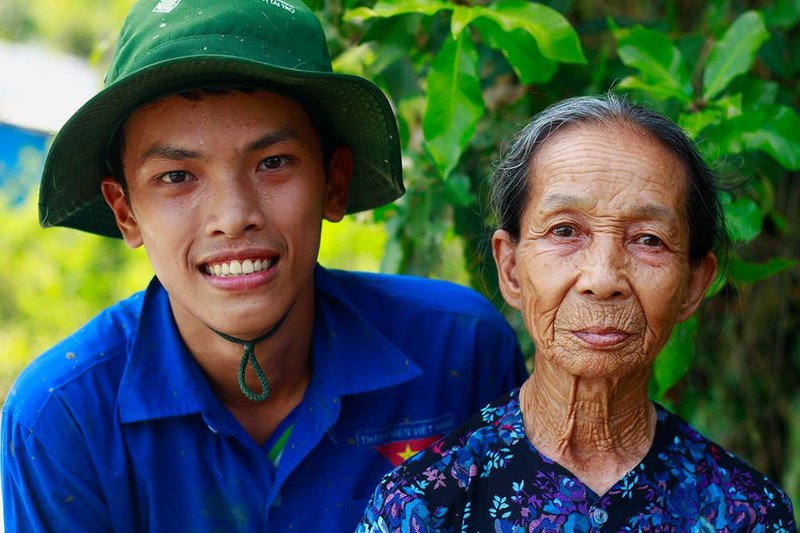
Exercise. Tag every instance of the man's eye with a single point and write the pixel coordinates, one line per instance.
(649, 240)
(563, 231)
(272, 162)
(174, 177)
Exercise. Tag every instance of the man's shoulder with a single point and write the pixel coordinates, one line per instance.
(368, 289)
(442, 326)
(88, 354)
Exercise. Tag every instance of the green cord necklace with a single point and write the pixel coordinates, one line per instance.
(249, 356)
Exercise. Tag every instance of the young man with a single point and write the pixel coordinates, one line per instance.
(248, 388)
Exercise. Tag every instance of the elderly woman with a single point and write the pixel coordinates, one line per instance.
(609, 222)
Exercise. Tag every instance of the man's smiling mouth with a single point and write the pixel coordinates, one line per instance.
(239, 268)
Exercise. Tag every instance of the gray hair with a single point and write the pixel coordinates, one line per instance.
(510, 188)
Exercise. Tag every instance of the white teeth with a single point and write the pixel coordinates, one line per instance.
(237, 268)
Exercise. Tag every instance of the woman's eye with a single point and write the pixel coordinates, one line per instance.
(272, 162)
(563, 231)
(649, 240)
(175, 177)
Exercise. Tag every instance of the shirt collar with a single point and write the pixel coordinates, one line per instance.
(359, 357)
(162, 379)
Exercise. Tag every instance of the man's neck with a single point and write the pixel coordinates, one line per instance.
(285, 359)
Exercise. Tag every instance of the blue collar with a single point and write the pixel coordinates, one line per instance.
(350, 356)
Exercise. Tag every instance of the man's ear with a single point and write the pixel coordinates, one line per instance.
(700, 277)
(504, 249)
(337, 187)
(118, 202)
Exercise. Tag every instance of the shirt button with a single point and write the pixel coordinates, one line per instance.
(600, 516)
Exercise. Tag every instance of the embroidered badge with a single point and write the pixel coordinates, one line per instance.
(400, 441)
(397, 452)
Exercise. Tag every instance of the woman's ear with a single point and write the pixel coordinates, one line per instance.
(337, 186)
(700, 277)
(123, 213)
(504, 249)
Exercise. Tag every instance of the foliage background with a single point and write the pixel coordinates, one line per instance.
(462, 75)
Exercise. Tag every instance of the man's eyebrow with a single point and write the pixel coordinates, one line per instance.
(175, 153)
(169, 152)
(273, 137)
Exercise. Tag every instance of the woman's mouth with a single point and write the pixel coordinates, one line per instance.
(602, 337)
(237, 267)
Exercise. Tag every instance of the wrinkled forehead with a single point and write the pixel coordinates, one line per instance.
(597, 146)
(618, 165)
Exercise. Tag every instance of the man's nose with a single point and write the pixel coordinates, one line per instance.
(235, 208)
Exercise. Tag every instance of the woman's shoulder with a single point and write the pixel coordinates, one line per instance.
(713, 474)
(497, 424)
(438, 479)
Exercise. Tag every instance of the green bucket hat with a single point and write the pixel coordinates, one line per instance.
(169, 46)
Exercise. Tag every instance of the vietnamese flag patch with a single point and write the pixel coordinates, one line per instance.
(398, 451)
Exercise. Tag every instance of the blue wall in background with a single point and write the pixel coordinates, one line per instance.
(22, 154)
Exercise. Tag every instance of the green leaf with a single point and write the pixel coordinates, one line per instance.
(455, 103)
(717, 112)
(458, 190)
(756, 91)
(730, 136)
(655, 90)
(675, 359)
(782, 14)
(734, 53)
(392, 38)
(745, 272)
(662, 71)
(697, 121)
(555, 36)
(462, 16)
(521, 51)
(779, 136)
(744, 219)
(398, 7)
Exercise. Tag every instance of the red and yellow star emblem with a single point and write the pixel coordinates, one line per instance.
(398, 451)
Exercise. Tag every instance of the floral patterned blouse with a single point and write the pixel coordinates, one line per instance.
(487, 477)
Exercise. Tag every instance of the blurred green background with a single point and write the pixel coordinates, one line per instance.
(461, 75)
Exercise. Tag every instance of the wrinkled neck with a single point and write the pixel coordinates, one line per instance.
(574, 419)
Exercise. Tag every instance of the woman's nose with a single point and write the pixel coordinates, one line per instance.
(235, 208)
(603, 271)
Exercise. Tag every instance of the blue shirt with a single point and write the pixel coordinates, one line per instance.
(116, 428)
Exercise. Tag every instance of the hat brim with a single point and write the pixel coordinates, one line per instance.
(353, 107)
